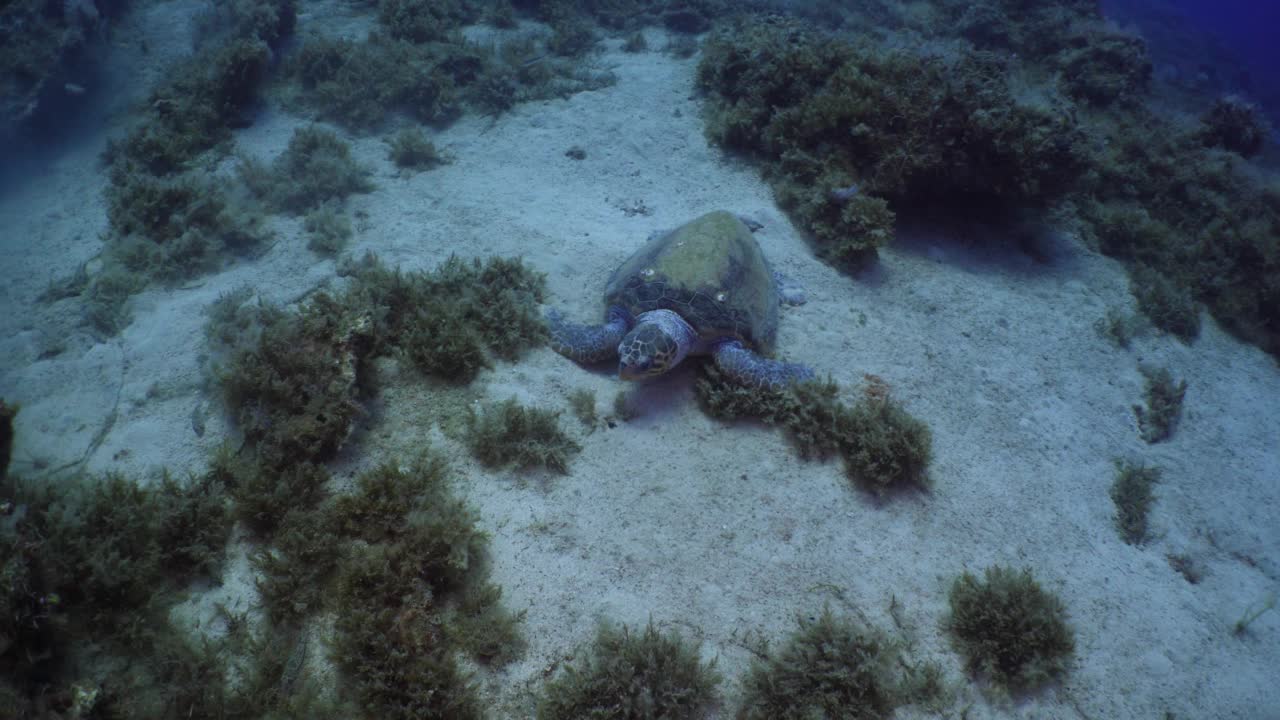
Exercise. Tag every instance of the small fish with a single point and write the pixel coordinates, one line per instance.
(844, 194)
(197, 419)
(73, 89)
(293, 666)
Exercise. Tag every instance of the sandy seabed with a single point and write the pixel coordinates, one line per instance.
(721, 530)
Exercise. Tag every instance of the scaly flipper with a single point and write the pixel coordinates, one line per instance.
(745, 367)
(588, 343)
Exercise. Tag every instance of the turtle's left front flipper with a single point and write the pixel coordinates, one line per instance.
(745, 367)
(588, 343)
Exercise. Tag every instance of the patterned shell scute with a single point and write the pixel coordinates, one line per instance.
(712, 273)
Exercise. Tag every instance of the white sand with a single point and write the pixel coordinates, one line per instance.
(721, 531)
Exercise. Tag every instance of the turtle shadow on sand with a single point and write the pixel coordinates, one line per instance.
(661, 397)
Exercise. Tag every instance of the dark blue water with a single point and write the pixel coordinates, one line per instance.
(1249, 27)
(1214, 47)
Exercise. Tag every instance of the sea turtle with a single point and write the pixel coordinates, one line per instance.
(701, 289)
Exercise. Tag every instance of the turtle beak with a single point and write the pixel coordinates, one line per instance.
(637, 370)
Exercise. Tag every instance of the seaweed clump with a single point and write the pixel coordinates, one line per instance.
(632, 675)
(679, 16)
(1236, 125)
(111, 542)
(328, 230)
(90, 570)
(883, 446)
(171, 220)
(635, 43)
(40, 46)
(1158, 419)
(411, 592)
(1102, 67)
(7, 413)
(292, 380)
(1252, 613)
(846, 131)
(422, 21)
(400, 562)
(834, 667)
(429, 71)
(296, 563)
(213, 92)
(357, 84)
(266, 493)
(449, 321)
(176, 227)
(401, 555)
(197, 108)
(509, 433)
(1010, 628)
(315, 169)
(1131, 493)
(1011, 111)
(1119, 327)
(1193, 223)
(582, 402)
(410, 149)
(1169, 305)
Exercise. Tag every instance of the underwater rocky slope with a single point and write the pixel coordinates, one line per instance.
(309, 281)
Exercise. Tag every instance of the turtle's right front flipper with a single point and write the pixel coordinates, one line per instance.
(746, 368)
(588, 343)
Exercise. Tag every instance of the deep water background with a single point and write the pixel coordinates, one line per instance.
(1250, 27)
(1226, 46)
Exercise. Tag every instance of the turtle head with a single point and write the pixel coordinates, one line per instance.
(646, 351)
(658, 342)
